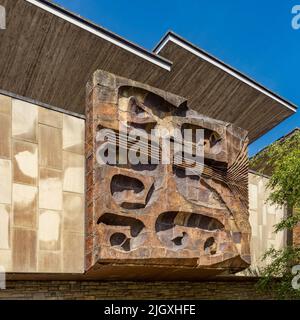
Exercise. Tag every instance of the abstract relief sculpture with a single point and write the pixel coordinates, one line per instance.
(157, 214)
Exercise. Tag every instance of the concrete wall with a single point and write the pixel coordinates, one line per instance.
(263, 217)
(41, 189)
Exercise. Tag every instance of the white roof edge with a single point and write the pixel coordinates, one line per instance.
(100, 34)
(205, 57)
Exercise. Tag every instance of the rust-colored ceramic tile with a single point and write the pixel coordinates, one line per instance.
(49, 230)
(24, 120)
(73, 172)
(5, 181)
(5, 104)
(5, 134)
(25, 162)
(73, 134)
(50, 117)
(24, 250)
(50, 144)
(24, 206)
(73, 244)
(50, 189)
(49, 262)
(5, 221)
(73, 212)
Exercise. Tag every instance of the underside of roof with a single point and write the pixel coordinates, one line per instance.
(48, 54)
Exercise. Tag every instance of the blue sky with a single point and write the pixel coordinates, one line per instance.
(254, 36)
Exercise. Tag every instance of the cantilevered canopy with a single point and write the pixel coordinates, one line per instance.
(218, 90)
(48, 54)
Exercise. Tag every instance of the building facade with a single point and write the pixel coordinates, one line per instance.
(57, 221)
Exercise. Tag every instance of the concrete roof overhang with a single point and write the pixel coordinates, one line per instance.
(48, 54)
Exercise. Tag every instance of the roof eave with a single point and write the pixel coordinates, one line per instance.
(175, 38)
(101, 32)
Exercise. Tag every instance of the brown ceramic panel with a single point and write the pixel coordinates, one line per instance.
(5, 104)
(5, 224)
(24, 250)
(5, 134)
(25, 206)
(50, 189)
(73, 212)
(25, 162)
(5, 181)
(50, 144)
(49, 230)
(49, 262)
(50, 117)
(73, 168)
(73, 134)
(73, 254)
(24, 120)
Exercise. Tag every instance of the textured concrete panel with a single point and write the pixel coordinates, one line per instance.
(5, 181)
(50, 118)
(5, 221)
(25, 206)
(25, 162)
(73, 134)
(24, 120)
(50, 144)
(50, 189)
(49, 230)
(24, 250)
(73, 172)
(73, 207)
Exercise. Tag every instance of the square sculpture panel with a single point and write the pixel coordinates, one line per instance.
(157, 213)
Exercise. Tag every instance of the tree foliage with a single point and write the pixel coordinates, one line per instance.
(283, 158)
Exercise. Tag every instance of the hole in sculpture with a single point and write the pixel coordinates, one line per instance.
(122, 161)
(126, 245)
(168, 220)
(129, 192)
(119, 239)
(120, 183)
(178, 241)
(181, 173)
(214, 139)
(111, 219)
(210, 246)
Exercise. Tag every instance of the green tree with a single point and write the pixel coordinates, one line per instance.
(282, 160)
